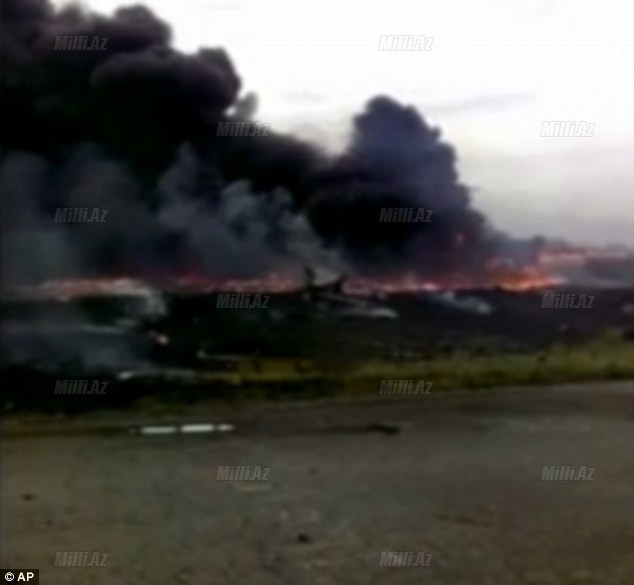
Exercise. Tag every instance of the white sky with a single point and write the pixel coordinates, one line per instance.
(496, 70)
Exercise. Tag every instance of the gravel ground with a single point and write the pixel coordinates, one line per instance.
(455, 476)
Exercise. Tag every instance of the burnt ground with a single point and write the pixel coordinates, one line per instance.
(457, 477)
(99, 338)
(424, 328)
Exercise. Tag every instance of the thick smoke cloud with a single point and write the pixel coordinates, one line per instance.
(132, 129)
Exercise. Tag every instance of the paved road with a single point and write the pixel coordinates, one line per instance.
(459, 481)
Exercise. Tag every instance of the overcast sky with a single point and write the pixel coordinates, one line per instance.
(496, 70)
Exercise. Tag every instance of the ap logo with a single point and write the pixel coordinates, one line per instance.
(21, 575)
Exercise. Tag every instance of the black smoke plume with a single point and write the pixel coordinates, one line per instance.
(132, 129)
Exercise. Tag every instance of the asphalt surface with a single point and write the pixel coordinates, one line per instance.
(456, 477)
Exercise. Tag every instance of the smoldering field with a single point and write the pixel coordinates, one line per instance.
(132, 130)
(301, 347)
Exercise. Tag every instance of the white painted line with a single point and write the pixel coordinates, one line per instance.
(191, 428)
(225, 427)
(158, 430)
(198, 428)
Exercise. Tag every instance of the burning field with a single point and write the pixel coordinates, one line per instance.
(129, 219)
(202, 340)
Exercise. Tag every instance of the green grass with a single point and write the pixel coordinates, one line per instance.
(607, 358)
